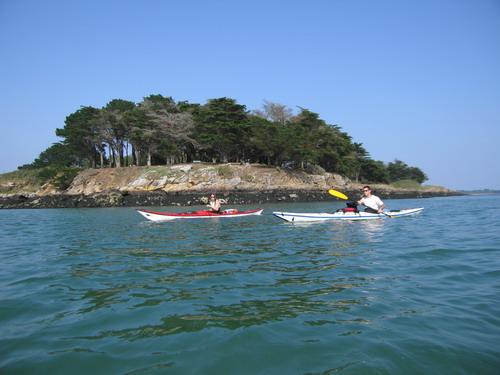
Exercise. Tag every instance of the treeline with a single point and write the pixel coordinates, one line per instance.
(159, 130)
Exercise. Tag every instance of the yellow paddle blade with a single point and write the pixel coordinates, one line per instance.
(337, 194)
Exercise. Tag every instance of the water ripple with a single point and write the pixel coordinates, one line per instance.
(102, 289)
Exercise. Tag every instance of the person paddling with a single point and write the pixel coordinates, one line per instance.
(372, 203)
(214, 204)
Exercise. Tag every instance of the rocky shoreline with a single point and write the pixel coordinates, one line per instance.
(190, 185)
(190, 198)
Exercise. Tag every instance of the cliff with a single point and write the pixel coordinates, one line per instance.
(188, 184)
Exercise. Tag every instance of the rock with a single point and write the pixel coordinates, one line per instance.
(191, 184)
(182, 168)
(233, 181)
(158, 184)
(140, 183)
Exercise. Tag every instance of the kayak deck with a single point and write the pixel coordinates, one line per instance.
(303, 217)
(202, 214)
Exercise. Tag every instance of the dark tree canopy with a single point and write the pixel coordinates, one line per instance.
(399, 170)
(159, 130)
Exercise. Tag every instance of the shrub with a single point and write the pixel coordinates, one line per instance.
(314, 169)
(248, 177)
(64, 178)
(224, 171)
(60, 177)
(407, 184)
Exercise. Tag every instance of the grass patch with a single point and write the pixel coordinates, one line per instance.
(434, 188)
(31, 180)
(414, 185)
(22, 175)
(248, 177)
(159, 171)
(21, 180)
(407, 184)
(224, 171)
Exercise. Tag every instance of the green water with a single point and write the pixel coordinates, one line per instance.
(101, 291)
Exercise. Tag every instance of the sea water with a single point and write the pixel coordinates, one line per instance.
(102, 291)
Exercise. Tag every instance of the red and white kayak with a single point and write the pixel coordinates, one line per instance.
(203, 214)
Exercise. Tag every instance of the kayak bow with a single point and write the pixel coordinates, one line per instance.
(203, 214)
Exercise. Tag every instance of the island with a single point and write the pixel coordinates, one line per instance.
(162, 152)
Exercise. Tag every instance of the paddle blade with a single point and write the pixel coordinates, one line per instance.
(337, 194)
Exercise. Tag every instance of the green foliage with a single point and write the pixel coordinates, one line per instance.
(314, 169)
(81, 135)
(160, 131)
(64, 178)
(224, 171)
(60, 177)
(59, 154)
(248, 177)
(47, 174)
(407, 184)
(399, 170)
(222, 129)
(373, 171)
(20, 180)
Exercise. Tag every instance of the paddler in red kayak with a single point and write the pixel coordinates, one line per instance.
(214, 204)
(372, 203)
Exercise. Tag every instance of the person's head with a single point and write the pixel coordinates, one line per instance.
(212, 197)
(367, 191)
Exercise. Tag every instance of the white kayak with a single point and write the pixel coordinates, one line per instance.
(302, 217)
(203, 214)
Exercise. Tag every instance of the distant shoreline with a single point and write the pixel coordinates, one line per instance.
(160, 198)
(480, 192)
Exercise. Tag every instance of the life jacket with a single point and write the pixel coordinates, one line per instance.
(350, 209)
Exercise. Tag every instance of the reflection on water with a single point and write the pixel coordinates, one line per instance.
(103, 290)
(230, 287)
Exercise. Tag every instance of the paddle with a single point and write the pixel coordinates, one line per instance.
(340, 195)
(337, 194)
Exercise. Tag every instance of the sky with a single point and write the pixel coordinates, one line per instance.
(414, 80)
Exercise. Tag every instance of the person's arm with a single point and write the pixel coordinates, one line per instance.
(382, 206)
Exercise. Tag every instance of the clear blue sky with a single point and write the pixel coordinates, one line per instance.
(413, 80)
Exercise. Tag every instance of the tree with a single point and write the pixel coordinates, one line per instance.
(57, 155)
(353, 157)
(157, 126)
(268, 141)
(114, 129)
(174, 132)
(399, 170)
(373, 171)
(159, 130)
(222, 129)
(79, 133)
(416, 174)
(275, 112)
(140, 133)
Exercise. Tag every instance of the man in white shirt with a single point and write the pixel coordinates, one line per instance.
(372, 203)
